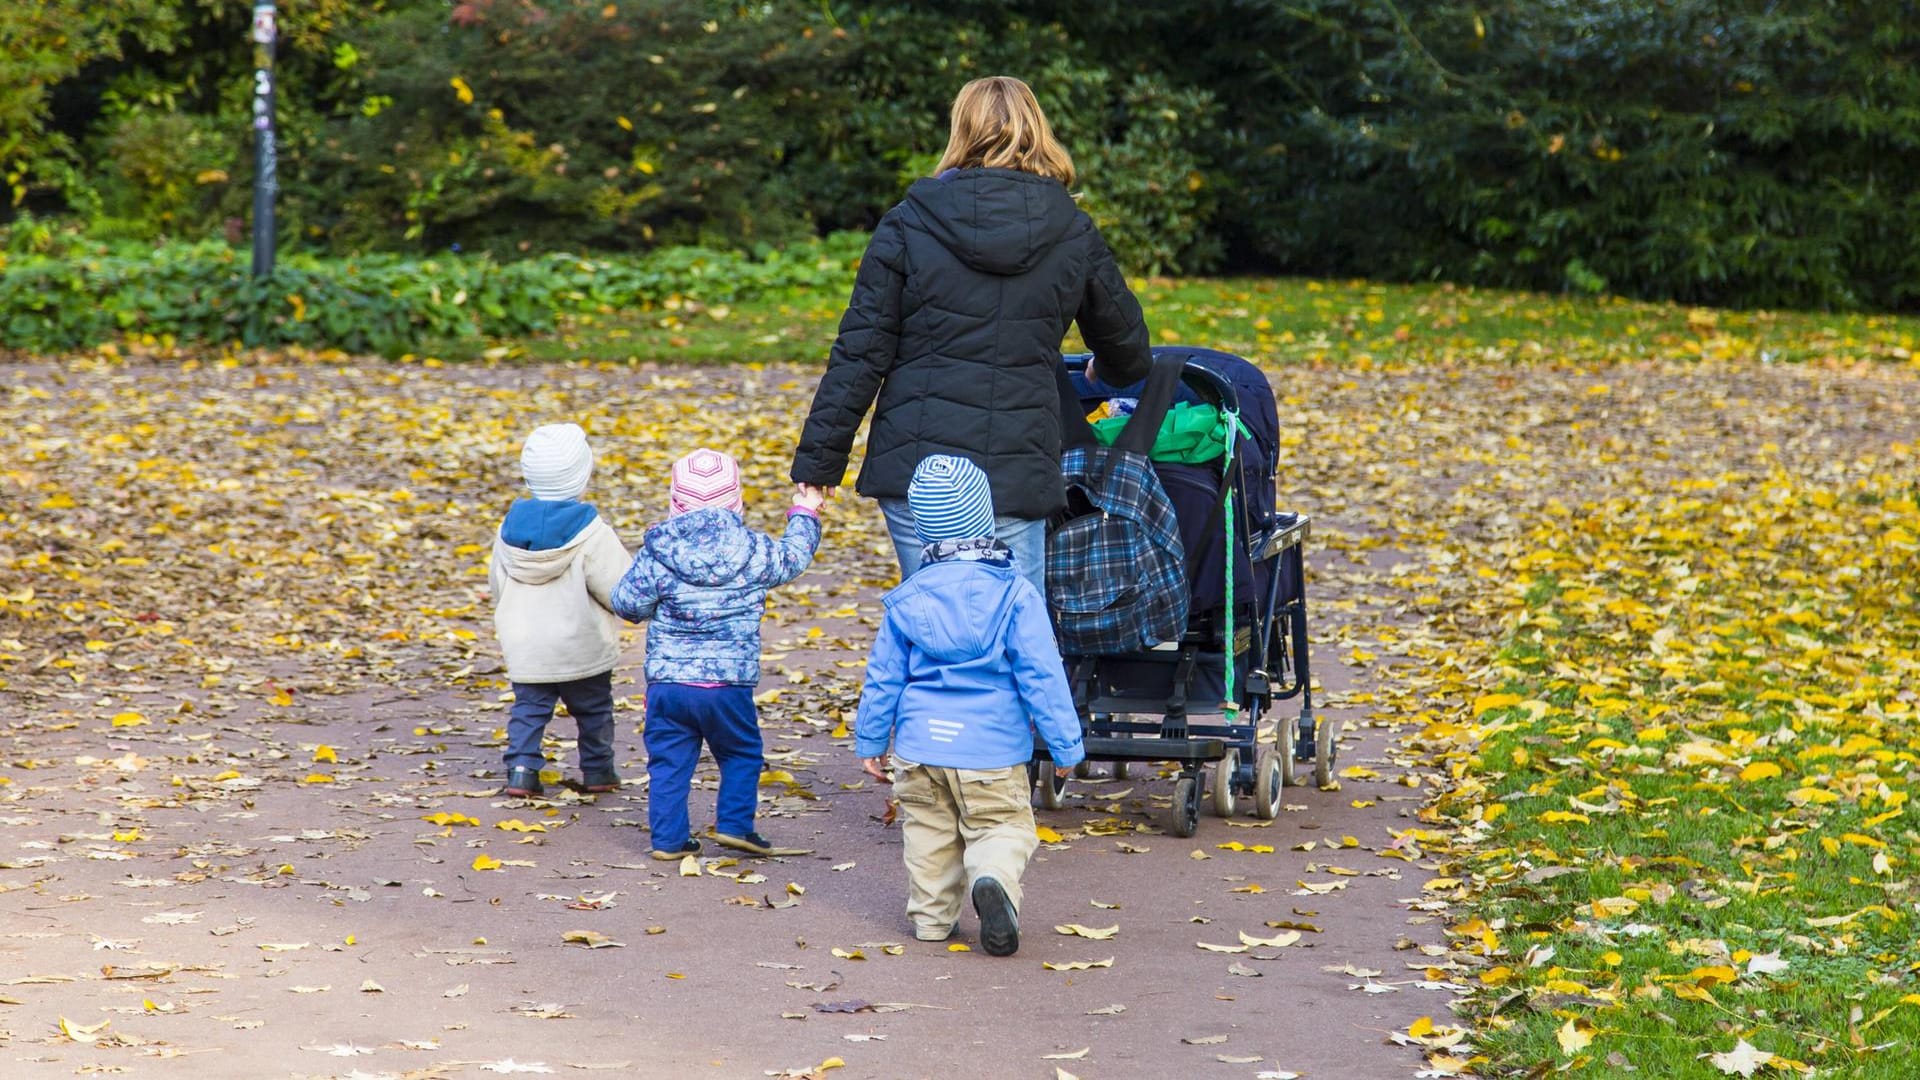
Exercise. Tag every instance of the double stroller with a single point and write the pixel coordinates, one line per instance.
(1200, 702)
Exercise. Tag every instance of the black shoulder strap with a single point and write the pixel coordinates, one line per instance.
(1074, 429)
(1155, 399)
(1215, 514)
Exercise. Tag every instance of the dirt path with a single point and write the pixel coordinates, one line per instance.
(263, 927)
(200, 877)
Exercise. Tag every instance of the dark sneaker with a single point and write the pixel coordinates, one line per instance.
(999, 923)
(600, 783)
(752, 843)
(523, 783)
(691, 847)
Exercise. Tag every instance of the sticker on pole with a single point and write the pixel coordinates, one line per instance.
(263, 27)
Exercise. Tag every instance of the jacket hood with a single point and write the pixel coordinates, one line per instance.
(997, 221)
(542, 524)
(702, 547)
(539, 539)
(955, 611)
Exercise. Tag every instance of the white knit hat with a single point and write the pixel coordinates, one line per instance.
(556, 462)
(950, 499)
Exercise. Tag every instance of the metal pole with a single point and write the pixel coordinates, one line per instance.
(266, 159)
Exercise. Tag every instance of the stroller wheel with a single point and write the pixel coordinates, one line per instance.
(1121, 769)
(1053, 790)
(1267, 784)
(1186, 806)
(1083, 771)
(1224, 802)
(1289, 769)
(1326, 751)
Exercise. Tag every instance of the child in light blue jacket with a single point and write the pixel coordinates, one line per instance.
(964, 670)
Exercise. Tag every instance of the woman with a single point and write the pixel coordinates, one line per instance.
(956, 320)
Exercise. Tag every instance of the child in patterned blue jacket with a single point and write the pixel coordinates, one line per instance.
(700, 581)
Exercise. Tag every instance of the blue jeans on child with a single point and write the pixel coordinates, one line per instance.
(679, 718)
(590, 700)
(1025, 537)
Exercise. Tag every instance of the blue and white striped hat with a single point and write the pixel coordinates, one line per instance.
(950, 500)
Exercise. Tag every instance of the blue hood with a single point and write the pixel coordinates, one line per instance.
(955, 611)
(964, 672)
(703, 547)
(543, 525)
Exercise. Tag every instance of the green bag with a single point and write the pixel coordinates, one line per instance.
(1191, 434)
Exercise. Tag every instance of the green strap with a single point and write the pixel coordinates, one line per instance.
(1233, 563)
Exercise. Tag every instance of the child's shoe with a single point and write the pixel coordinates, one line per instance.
(599, 783)
(691, 847)
(999, 923)
(523, 783)
(932, 933)
(752, 843)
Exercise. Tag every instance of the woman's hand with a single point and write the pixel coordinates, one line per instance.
(809, 497)
(876, 767)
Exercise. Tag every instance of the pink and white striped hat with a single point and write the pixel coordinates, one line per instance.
(705, 478)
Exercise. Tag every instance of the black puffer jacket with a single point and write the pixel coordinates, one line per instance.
(955, 323)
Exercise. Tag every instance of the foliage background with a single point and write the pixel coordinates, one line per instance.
(1743, 152)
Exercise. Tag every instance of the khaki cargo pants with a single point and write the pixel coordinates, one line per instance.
(961, 825)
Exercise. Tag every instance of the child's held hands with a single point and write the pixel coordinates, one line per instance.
(809, 497)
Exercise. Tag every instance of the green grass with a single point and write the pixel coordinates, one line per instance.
(1286, 319)
(796, 326)
(1684, 853)
(1673, 781)
(1320, 319)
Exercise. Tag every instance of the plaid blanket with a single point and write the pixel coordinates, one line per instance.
(1116, 573)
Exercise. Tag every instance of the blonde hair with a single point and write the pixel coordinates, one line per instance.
(997, 124)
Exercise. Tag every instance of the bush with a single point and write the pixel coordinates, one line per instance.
(1147, 181)
(1702, 150)
(1139, 143)
(505, 126)
(1743, 152)
(43, 45)
(165, 173)
(1692, 149)
(386, 304)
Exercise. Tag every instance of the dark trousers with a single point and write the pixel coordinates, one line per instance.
(679, 719)
(590, 700)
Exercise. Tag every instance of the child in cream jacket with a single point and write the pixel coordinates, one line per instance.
(555, 563)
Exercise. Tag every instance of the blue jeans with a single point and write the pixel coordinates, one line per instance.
(1026, 537)
(679, 718)
(590, 700)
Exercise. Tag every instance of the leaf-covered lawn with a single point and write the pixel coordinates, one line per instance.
(1688, 800)
(1671, 670)
(1287, 319)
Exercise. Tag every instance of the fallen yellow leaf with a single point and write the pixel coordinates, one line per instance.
(1575, 1035)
